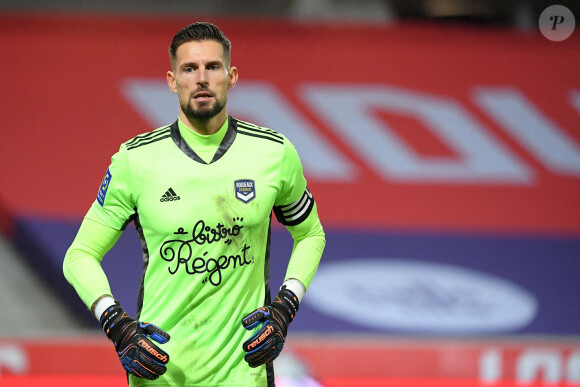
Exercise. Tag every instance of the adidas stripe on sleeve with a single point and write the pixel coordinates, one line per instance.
(294, 202)
(296, 212)
(149, 137)
(249, 129)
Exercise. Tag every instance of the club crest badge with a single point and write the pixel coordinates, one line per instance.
(245, 190)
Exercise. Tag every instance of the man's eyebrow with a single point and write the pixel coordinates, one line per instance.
(195, 64)
(214, 62)
(188, 64)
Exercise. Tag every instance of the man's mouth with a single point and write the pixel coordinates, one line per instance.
(202, 96)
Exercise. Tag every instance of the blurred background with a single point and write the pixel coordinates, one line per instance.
(440, 139)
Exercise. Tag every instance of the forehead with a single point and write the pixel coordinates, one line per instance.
(200, 51)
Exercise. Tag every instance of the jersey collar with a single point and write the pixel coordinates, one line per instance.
(227, 141)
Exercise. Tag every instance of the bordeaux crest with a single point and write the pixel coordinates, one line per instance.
(245, 190)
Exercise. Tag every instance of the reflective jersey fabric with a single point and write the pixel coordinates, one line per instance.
(205, 231)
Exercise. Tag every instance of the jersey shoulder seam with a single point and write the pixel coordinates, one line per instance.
(252, 130)
(149, 137)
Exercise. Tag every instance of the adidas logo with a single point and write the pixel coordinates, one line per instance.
(169, 196)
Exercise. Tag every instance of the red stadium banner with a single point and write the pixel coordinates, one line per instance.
(335, 362)
(417, 127)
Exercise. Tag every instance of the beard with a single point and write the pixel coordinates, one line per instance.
(204, 112)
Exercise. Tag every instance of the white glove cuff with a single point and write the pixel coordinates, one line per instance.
(296, 287)
(102, 305)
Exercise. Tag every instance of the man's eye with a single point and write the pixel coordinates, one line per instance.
(188, 69)
(213, 67)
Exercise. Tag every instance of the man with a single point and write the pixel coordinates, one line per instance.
(200, 192)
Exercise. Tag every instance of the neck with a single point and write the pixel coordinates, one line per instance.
(205, 127)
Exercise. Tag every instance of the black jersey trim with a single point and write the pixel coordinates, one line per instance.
(296, 212)
(226, 143)
(158, 136)
(259, 129)
(148, 142)
(148, 136)
(267, 298)
(260, 136)
(145, 250)
(182, 144)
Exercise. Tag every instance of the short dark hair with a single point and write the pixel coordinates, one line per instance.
(198, 32)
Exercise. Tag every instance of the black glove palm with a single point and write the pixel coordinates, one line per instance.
(267, 343)
(138, 355)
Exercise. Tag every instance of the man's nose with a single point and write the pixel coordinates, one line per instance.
(202, 77)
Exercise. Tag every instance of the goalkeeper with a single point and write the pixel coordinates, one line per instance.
(200, 192)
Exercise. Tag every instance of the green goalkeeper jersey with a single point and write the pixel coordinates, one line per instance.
(204, 221)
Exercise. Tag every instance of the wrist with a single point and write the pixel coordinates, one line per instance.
(288, 302)
(113, 319)
(102, 304)
(296, 287)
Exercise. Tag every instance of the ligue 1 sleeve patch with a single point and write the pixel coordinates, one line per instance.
(245, 190)
(103, 188)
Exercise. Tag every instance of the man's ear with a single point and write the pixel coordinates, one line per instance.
(233, 77)
(171, 81)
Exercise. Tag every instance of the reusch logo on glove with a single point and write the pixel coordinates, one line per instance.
(262, 337)
(152, 351)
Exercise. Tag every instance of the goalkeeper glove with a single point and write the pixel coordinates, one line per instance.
(138, 355)
(268, 342)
